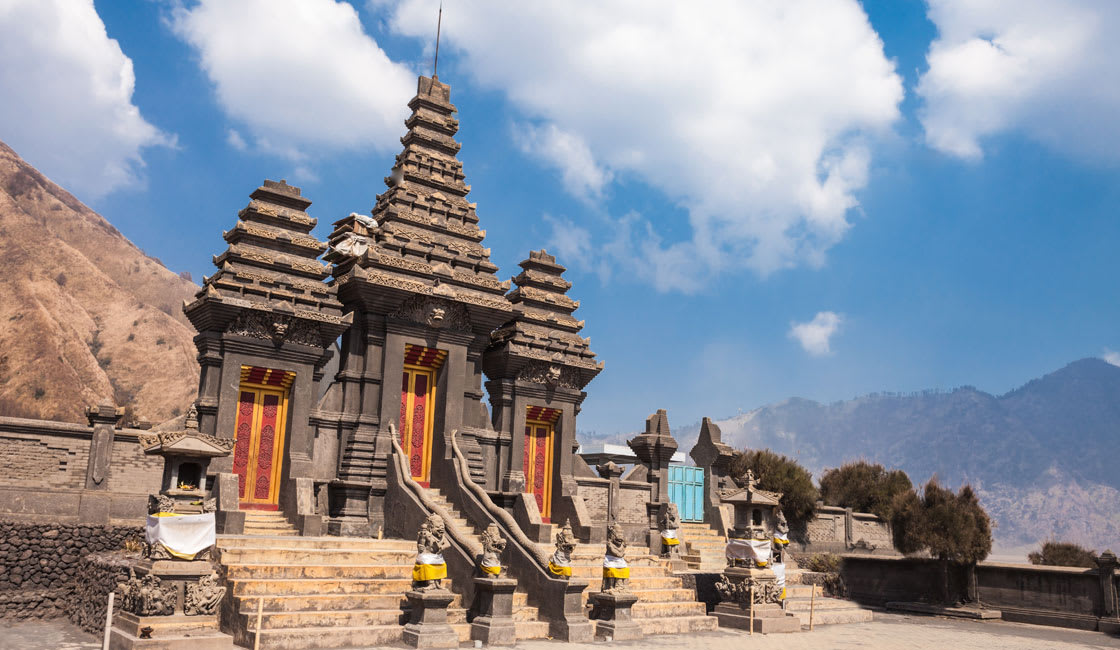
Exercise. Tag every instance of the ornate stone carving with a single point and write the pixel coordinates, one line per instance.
(737, 589)
(160, 503)
(616, 554)
(493, 544)
(551, 374)
(560, 564)
(434, 312)
(430, 544)
(146, 596)
(278, 328)
(203, 597)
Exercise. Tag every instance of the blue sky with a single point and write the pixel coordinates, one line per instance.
(818, 199)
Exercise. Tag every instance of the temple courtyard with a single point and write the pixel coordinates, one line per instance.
(886, 631)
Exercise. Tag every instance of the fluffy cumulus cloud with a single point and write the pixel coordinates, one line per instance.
(1047, 69)
(66, 96)
(754, 116)
(816, 335)
(1111, 356)
(300, 76)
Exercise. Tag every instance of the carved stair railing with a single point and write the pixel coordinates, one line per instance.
(408, 505)
(558, 600)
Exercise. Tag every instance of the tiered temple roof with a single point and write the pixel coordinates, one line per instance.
(424, 236)
(544, 336)
(271, 274)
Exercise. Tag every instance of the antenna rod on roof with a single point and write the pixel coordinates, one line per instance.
(439, 23)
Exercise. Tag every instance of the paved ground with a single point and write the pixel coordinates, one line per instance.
(887, 632)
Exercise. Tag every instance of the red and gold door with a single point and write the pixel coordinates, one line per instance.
(418, 400)
(539, 435)
(262, 407)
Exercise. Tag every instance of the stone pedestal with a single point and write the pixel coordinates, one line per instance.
(572, 625)
(768, 618)
(493, 624)
(427, 626)
(174, 631)
(614, 618)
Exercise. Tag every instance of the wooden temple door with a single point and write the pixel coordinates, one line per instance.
(258, 453)
(540, 429)
(418, 402)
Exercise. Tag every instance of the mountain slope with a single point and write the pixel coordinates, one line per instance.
(85, 316)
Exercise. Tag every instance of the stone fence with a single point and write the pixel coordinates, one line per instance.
(49, 475)
(840, 530)
(1046, 595)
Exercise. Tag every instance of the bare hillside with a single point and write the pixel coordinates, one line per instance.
(85, 316)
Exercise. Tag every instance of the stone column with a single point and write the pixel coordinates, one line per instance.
(93, 507)
(655, 448)
(612, 473)
(493, 624)
(711, 454)
(427, 626)
(615, 618)
(1106, 568)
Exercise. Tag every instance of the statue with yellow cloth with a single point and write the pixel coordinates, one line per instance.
(616, 572)
(490, 562)
(560, 564)
(669, 522)
(430, 568)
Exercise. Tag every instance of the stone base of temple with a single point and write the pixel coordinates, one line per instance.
(977, 613)
(428, 627)
(614, 618)
(176, 632)
(768, 618)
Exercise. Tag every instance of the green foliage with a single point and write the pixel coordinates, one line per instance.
(949, 526)
(864, 487)
(822, 563)
(1063, 554)
(777, 473)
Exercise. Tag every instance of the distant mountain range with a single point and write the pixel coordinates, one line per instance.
(85, 315)
(1045, 457)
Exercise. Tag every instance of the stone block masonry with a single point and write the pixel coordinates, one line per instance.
(41, 563)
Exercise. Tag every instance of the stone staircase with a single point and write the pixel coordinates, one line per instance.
(826, 610)
(330, 592)
(526, 618)
(705, 550)
(665, 605)
(268, 522)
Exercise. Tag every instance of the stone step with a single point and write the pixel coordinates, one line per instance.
(531, 629)
(640, 584)
(325, 637)
(320, 571)
(322, 602)
(315, 556)
(320, 586)
(356, 543)
(677, 624)
(851, 614)
(820, 604)
(657, 595)
(802, 591)
(654, 609)
(636, 572)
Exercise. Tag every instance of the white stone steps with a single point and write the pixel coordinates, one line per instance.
(323, 602)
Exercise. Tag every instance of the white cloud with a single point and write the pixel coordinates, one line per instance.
(568, 152)
(66, 90)
(1111, 356)
(1047, 69)
(815, 336)
(235, 140)
(751, 115)
(300, 75)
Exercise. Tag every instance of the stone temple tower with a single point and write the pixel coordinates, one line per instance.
(424, 297)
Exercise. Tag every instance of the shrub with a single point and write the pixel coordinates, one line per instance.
(949, 526)
(864, 487)
(1063, 554)
(777, 473)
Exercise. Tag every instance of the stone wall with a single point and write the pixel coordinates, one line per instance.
(595, 493)
(1044, 595)
(41, 561)
(101, 573)
(633, 497)
(840, 530)
(43, 472)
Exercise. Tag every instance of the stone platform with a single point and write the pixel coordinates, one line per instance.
(768, 618)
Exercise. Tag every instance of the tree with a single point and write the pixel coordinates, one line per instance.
(1063, 554)
(864, 487)
(777, 473)
(954, 528)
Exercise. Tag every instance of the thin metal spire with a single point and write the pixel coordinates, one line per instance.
(439, 23)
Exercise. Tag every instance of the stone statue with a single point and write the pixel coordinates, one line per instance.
(204, 596)
(669, 522)
(146, 596)
(430, 569)
(492, 546)
(560, 564)
(616, 572)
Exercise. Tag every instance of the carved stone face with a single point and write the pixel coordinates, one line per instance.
(437, 526)
(614, 533)
(435, 316)
(554, 373)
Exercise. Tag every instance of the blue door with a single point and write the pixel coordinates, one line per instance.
(686, 489)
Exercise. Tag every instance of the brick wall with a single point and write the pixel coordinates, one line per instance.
(595, 496)
(43, 460)
(633, 498)
(133, 471)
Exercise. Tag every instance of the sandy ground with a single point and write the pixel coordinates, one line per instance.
(888, 631)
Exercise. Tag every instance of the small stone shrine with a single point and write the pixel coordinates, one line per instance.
(753, 584)
(172, 596)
